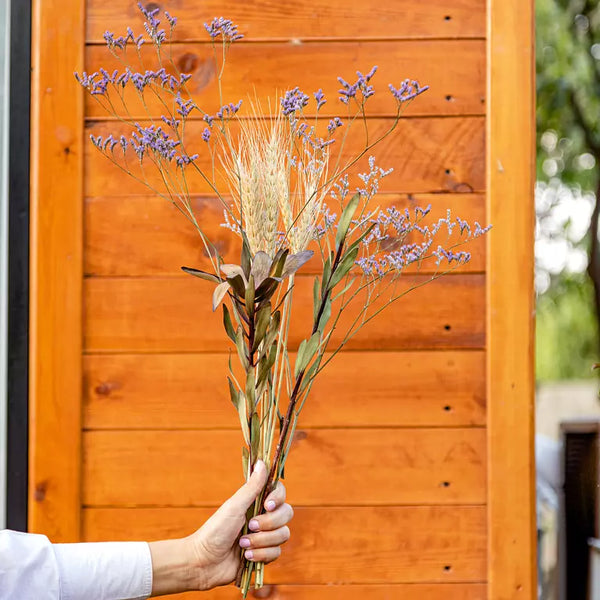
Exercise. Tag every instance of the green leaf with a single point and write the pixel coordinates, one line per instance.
(249, 297)
(344, 267)
(279, 263)
(346, 219)
(294, 261)
(306, 351)
(201, 274)
(239, 401)
(326, 272)
(273, 329)
(261, 324)
(266, 364)
(325, 315)
(245, 461)
(267, 288)
(228, 324)
(250, 390)
(310, 374)
(316, 298)
(219, 294)
(346, 288)
(254, 436)
(241, 348)
(233, 392)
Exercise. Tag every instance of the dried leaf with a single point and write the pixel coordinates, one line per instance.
(263, 318)
(306, 351)
(246, 254)
(346, 288)
(238, 284)
(346, 219)
(241, 348)
(219, 294)
(250, 391)
(249, 297)
(316, 298)
(278, 263)
(230, 270)
(294, 261)
(254, 436)
(201, 274)
(267, 288)
(228, 324)
(325, 315)
(260, 267)
(245, 461)
(344, 267)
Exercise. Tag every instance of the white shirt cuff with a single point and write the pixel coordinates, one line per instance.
(104, 571)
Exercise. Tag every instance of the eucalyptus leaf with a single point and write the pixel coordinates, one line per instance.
(261, 324)
(260, 267)
(344, 267)
(238, 284)
(219, 294)
(306, 351)
(249, 297)
(229, 330)
(346, 219)
(294, 261)
(201, 274)
(232, 270)
(241, 348)
(254, 436)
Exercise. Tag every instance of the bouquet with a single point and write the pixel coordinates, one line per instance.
(283, 178)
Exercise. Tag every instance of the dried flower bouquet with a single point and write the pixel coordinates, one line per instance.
(289, 200)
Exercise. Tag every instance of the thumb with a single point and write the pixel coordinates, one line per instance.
(246, 495)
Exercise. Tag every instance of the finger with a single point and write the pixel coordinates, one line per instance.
(265, 555)
(276, 497)
(246, 495)
(266, 539)
(274, 520)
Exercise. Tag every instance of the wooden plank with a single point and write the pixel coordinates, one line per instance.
(320, 19)
(326, 466)
(510, 322)
(366, 545)
(159, 239)
(428, 155)
(408, 591)
(454, 70)
(184, 391)
(159, 315)
(55, 270)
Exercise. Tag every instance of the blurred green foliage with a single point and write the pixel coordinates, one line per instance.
(568, 148)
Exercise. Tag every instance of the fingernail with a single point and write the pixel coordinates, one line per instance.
(256, 465)
(249, 554)
(270, 505)
(244, 542)
(254, 525)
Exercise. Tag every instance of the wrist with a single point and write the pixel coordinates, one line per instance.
(173, 567)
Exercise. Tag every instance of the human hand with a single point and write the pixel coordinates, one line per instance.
(211, 556)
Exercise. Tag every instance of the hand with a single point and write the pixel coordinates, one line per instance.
(211, 556)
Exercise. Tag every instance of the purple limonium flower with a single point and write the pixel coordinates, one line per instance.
(348, 90)
(209, 120)
(155, 139)
(408, 90)
(293, 100)
(334, 124)
(172, 20)
(184, 159)
(225, 28)
(320, 98)
(185, 108)
(228, 110)
(206, 134)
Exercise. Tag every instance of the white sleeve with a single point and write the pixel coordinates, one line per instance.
(31, 567)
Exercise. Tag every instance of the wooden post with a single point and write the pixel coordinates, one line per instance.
(56, 268)
(510, 320)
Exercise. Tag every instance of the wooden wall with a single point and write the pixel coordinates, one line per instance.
(390, 470)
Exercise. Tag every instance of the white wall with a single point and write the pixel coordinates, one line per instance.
(4, 100)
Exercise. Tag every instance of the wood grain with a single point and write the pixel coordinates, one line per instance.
(184, 391)
(174, 315)
(55, 270)
(157, 239)
(512, 566)
(326, 466)
(319, 19)
(428, 155)
(409, 591)
(384, 545)
(454, 70)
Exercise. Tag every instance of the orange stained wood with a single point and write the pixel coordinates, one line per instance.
(429, 155)
(55, 269)
(157, 239)
(319, 19)
(414, 544)
(174, 314)
(408, 591)
(360, 389)
(454, 70)
(510, 371)
(326, 466)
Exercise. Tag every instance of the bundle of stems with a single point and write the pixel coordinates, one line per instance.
(282, 171)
